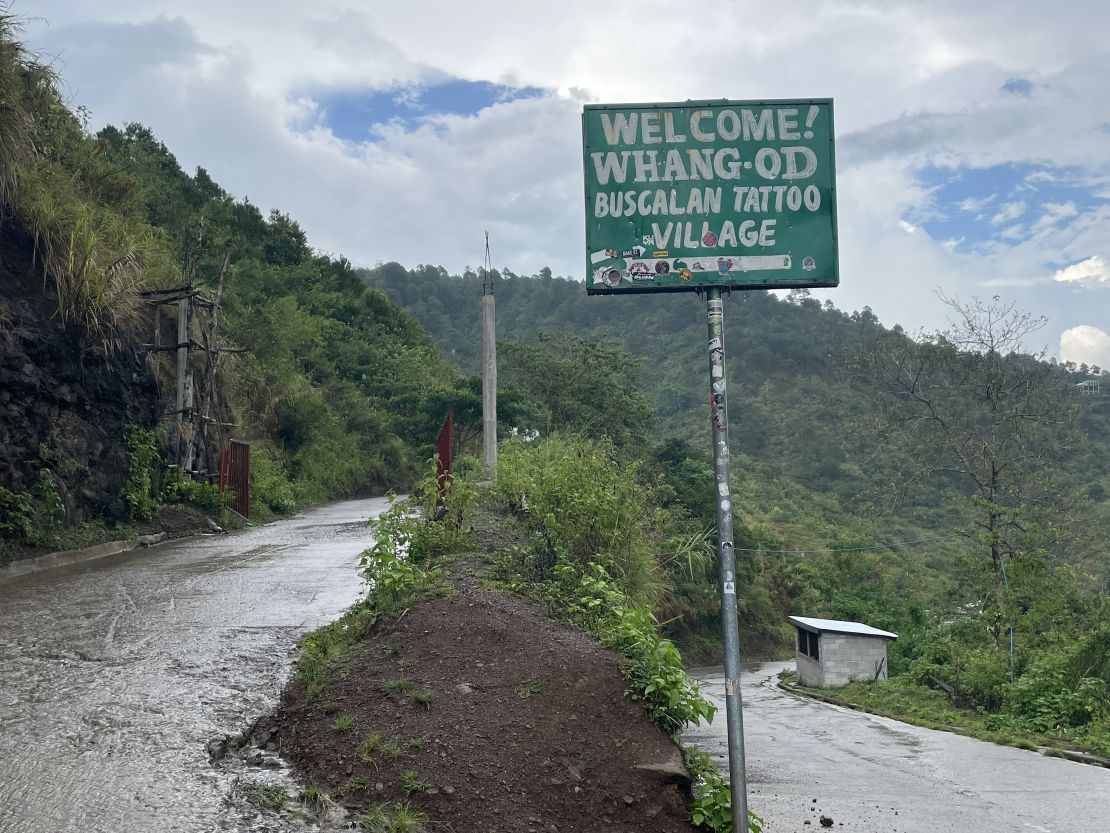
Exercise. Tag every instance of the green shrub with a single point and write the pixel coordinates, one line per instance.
(595, 563)
(16, 515)
(586, 506)
(144, 468)
(712, 805)
(1053, 696)
(271, 489)
(183, 490)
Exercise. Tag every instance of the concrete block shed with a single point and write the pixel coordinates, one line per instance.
(830, 653)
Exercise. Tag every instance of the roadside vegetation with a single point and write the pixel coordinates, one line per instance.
(587, 546)
(951, 488)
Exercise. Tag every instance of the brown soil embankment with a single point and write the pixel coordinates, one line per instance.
(486, 715)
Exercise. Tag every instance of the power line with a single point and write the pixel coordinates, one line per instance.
(892, 546)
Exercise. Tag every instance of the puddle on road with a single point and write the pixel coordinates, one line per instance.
(111, 692)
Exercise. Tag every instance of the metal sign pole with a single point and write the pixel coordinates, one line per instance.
(726, 561)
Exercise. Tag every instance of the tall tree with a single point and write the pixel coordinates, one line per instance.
(585, 386)
(987, 413)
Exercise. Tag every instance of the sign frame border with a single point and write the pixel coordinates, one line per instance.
(724, 285)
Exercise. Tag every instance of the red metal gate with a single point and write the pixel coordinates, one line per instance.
(443, 457)
(235, 471)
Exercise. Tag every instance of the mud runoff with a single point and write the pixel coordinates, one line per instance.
(115, 674)
(809, 760)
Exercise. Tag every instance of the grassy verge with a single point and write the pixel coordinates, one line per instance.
(903, 700)
(585, 555)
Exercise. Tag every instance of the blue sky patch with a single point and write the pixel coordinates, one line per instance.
(352, 114)
(975, 210)
(1018, 86)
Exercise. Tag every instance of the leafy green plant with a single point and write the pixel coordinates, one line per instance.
(184, 490)
(411, 783)
(528, 688)
(369, 747)
(423, 697)
(585, 506)
(398, 685)
(388, 567)
(269, 797)
(343, 722)
(712, 805)
(396, 817)
(16, 515)
(144, 466)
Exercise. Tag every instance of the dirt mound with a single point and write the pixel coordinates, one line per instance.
(487, 716)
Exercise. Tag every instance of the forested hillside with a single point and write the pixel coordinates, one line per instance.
(338, 390)
(801, 410)
(951, 488)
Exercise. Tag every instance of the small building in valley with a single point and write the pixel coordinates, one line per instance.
(831, 653)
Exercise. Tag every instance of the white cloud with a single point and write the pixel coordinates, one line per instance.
(973, 205)
(1054, 212)
(231, 86)
(1086, 344)
(1092, 270)
(1009, 211)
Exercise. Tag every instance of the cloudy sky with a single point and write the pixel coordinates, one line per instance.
(973, 138)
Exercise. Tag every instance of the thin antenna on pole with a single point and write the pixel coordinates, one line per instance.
(489, 368)
(487, 279)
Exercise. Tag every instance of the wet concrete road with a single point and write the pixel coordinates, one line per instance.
(879, 776)
(115, 673)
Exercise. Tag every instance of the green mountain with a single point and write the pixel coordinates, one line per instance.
(339, 391)
(806, 424)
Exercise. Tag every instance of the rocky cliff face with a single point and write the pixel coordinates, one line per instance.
(64, 404)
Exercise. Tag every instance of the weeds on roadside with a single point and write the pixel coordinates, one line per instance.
(399, 817)
(270, 798)
(398, 686)
(369, 748)
(393, 750)
(528, 688)
(590, 565)
(712, 805)
(411, 783)
(354, 784)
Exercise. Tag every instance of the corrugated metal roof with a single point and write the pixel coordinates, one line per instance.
(836, 626)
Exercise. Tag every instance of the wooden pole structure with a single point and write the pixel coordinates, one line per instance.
(182, 370)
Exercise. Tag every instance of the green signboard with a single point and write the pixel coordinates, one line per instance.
(738, 194)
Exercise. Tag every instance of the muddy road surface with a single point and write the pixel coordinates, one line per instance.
(873, 775)
(115, 673)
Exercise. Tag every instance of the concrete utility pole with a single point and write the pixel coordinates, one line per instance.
(489, 369)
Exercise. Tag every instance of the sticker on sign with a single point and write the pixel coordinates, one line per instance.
(738, 194)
